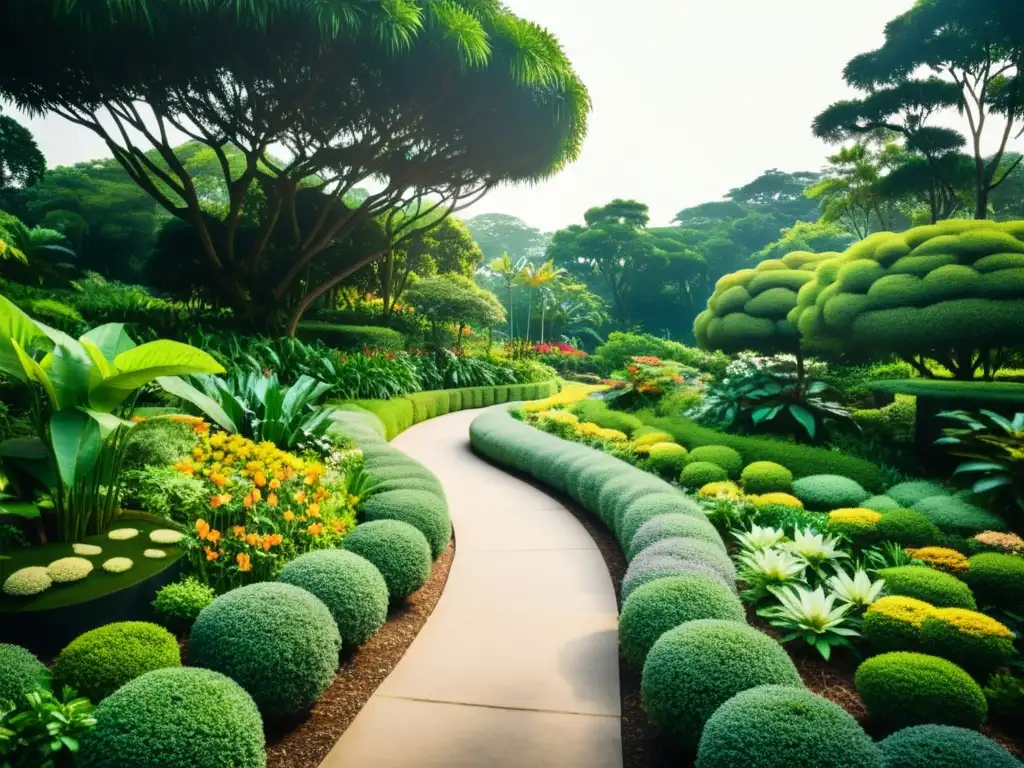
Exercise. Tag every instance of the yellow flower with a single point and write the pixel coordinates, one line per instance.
(239, 531)
(220, 499)
(259, 479)
(289, 516)
(213, 536)
(971, 622)
(202, 528)
(211, 554)
(783, 499)
(903, 609)
(274, 484)
(721, 490)
(315, 530)
(941, 558)
(300, 497)
(313, 510)
(272, 500)
(867, 517)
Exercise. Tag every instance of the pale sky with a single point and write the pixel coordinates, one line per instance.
(690, 97)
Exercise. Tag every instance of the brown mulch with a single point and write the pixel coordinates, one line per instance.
(305, 744)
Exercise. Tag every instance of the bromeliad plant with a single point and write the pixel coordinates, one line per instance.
(812, 617)
(767, 569)
(83, 394)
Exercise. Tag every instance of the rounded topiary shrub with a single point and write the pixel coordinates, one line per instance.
(880, 504)
(695, 668)
(651, 507)
(661, 605)
(954, 515)
(823, 493)
(968, 638)
(725, 457)
(693, 551)
(919, 581)
(19, 672)
(614, 500)
(701, 473)
(275, 640)
(907, 528)
(414, 483)
(766, 477)
(349, 585)
(650, 436)
(858, 525)
(422, 510)
(909, 493)
(666, 459)
(901, 689)
(398, 550)
(672, 526)
(997, 579)
(779, 726)
(943, 746)
(171, 718)
(594, 479)
(893, 623)
(647, 568)
(102, 660)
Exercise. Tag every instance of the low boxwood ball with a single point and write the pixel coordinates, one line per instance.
(398, 550)
(944, 746)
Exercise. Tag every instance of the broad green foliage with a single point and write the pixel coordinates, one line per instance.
(399, 551)
(455, 299)
(943, 746)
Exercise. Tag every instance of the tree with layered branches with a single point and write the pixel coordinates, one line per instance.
(21, 162)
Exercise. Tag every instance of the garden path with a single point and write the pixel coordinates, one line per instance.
(518, 664)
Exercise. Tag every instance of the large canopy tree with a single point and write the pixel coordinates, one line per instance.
(21, 162)
(499, 233)
(430, 99)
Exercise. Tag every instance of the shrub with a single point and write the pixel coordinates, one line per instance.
(275, 640)
(158, 443)
(777, 725)
(400, 552)
(909, 493)
(592, 479)
(893, 623)
(943, 746)
(902, 689)
(655, 608)
(647, 568)
(20, 671)
(25, 582)
(166, 492)
(857, 524)
(353, 337)
(422, 510)
(650, 436)
(666, 459)
(941, 558)
(693, 669)
(172, 718)
(619, 494)
(823, 493)
(1005, 694)
(997, 579)
(766, 477)
(955, 515)
(924, 583)
(907, 528)
(727, 458)
(880, 504)
(177, 605)
(968, 638)
(696, 551)
(651, 506)
(672, 526)
(700, 473)
(596, 412)
(350, 586)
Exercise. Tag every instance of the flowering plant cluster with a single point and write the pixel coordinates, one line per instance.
(266, 506)
(558, 348)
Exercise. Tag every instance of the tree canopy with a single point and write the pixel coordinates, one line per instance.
(21, 162)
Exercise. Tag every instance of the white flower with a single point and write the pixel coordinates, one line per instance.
(815, 548)
(86, 549)
(810, 610)
(154, 554)
(68, 569)
(771, 565)
(759, 538)
(118, 564)
(857, 590)
(28, 581)
(165, 536)
(123, 534)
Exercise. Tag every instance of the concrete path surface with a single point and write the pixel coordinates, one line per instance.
(518, 664)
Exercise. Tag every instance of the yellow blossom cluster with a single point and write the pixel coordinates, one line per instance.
(941, 558)
(721, 490)
(784, 499)
(906, 610)
(588, 430)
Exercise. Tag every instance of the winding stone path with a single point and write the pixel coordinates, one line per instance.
(518, 664)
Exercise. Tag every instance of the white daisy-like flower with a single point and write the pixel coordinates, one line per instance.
(86, 549)
(165, 536)
(69, 569)
(118, 564)
(154, 554)
(123, 534)
(28, 581)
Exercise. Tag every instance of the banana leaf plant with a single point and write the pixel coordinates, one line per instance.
(83, 393)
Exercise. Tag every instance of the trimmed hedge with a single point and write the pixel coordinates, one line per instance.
(692, 551)
(923, 583)
(171, 718)
(666, 459)
(997, 579)
(421, 509)
(954, 515)
(721, 455)
(598, 413)
(277, 641)
(399, 551)
(673, 526)
(893, 623)
(697, 474)
(349, 585)
(652, 506)
(907, 528)
(776, 726)
(823, 493)
(909, 493)
(943, 746)
(766, 477)
(102, 660)
(968, 638)
(352, 337)
(20, 670)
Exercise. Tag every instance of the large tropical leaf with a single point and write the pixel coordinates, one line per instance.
(34, 372)
(15, 328)
(111, 339)
(77, 441)
(69, 368)
(210, 407)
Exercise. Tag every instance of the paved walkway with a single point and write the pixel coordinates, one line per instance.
(518, 664)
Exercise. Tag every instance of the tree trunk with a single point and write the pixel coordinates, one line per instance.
(511, 313)
(387, 276)
(529, 316)
(543, 307)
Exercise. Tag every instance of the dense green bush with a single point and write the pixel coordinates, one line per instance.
(102, 660)
(165, 492)
(955, 515)
(725, 457)
(157, 443)
(909, 493)
(405, 483)
(598, 413)
(923, 583)
(613, 506)
(353, 337)
(655, 608)
(943, 746)
(766, 477)
(699, 473)
(277, 641)
(823, 493)
(399, 551)
(621, 347)
(778, 726)
(973, 640)
(177, 605)
(907, 528)
(901, 689)
(19, 672)
(648, 568)
(997, 579)
(421, 509)
(672, 526)
(880, 504)
(693, 669)
(666, 459)
(651, 506)
(171, 718)
(693, 550)
(593, 478)
(349, 585)
(893, 623)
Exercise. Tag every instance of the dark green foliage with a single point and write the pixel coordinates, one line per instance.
(727, 458)
(1005, 694)
(772, 726)
(165, 492)
(823, 493)
(621, 347)
(158, 442)
(102, 660)
(978, 651)
(902, 689)
(672, 525)
(943, 746)
(277, 641)
(697, 474)
(909, 493)
(399, 551)
(19, 672)
(907, 528)
(172, 718)
(694, 669)
(880, 504)
(790, 519)
(952, 390)
(656, 607)
(997, 579)
(954, 515)
(177, 605)
(421, 509)
(766, 477)
(652, 506)
(596, 412)
(350, 586)
(923, 583)
(353, 337)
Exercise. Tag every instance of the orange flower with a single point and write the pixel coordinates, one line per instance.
(315, 530)
(310, 479)
(321, 494)
(276, 539)
(266, 544)
(288, 515)
(272, 500)
(239, 531)
(300, 497)
(313, 510)
(252, 539)
(244, 564)
(259, 479)
(213, 536)
(202, 528)
(138, 419)
(201, 428)
(218, 479)
(274, 484)
(185, 467)
(338, 526)
(220, 499)
(247, 502)
(185, 419)
(256, 495)
(211, 554)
